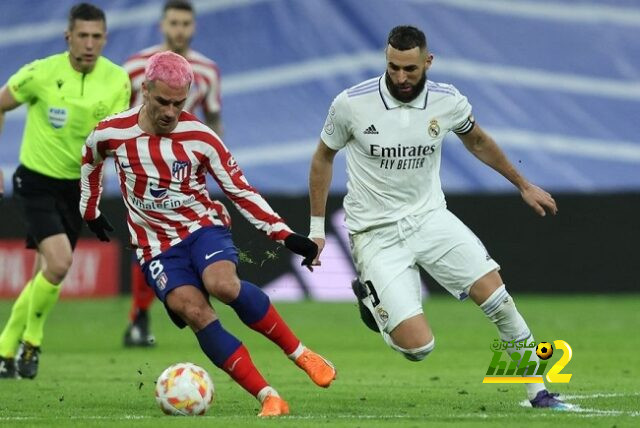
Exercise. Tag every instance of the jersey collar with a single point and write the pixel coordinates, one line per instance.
(419, 102)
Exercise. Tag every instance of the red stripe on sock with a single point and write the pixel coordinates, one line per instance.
(273, 327)
(142, 294)
(241, 369)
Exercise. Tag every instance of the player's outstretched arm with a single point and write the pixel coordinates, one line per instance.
(478, 142)
(320, 176)
(91, 189)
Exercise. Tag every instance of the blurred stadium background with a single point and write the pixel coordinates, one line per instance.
(556, 83)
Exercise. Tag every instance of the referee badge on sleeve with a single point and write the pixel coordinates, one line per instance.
(434, 128)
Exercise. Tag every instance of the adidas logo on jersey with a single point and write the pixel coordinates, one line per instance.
(371, 130)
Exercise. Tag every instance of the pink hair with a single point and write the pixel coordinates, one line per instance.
(170, 68)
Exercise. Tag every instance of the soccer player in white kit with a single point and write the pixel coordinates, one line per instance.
(181, 237)
(392, 128)
(178, 27)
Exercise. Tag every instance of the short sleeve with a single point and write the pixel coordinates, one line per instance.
(462, 119)
(212, 102)
(336, 131)
(23, 84)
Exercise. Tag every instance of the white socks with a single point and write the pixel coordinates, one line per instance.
(501, 310)
(295, 354)
(264, 392)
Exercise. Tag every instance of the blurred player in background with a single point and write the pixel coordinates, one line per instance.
(162, 154)
(66, 94)
(392, 127)
(178, 27)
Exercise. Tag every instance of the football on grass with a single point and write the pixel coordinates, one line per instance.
(184, 389)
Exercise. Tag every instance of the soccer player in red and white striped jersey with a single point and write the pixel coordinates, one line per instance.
(162, 155)
(178, 28)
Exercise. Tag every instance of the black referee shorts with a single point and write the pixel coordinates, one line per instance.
(49, 205)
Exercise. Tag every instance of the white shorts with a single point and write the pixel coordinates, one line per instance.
(387, 260)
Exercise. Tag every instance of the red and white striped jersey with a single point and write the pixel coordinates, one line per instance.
(163, 182)
(205, 88)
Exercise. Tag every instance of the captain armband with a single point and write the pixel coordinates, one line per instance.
(466, 126)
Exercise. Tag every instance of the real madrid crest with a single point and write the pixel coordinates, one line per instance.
(434, 128)
(384, 315)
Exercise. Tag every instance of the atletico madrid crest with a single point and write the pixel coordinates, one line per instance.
(181, 170)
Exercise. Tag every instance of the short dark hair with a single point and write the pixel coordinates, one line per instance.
(86, 12)
(178, 4)
(405, 37)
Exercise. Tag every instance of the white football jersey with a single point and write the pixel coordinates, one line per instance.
(393, 148)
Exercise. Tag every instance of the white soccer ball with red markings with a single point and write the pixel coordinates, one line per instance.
(184, 389)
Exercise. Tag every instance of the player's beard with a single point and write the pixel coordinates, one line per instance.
(178, 48)
(402, 97)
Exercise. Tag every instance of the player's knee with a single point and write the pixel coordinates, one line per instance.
(197, 317)
(191, 306)
(58, 267)
(419, 353)
(225, 289)
(221, 281)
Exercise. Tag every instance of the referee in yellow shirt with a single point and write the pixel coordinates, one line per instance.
(66, 94)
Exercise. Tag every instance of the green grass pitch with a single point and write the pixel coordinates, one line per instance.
(88, 379)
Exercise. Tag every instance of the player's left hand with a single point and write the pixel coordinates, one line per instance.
(304, 246)
(100, 226)
(539, 200)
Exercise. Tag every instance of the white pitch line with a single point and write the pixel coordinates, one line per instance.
(600, 395)
(590, 412)
(583, 413)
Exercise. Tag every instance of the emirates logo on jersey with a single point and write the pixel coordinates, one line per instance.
(181, 170)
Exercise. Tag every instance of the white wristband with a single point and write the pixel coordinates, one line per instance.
(316, 227)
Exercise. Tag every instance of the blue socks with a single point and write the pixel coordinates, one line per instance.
(252, 303)
(217, 343)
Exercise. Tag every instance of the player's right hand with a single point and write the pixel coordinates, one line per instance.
(100, 226)
(320, 243)
(539, 200)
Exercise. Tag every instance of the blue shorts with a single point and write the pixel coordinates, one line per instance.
(184, 263)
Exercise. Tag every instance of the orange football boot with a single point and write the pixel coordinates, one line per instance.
(273, 406)
(320, 370)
